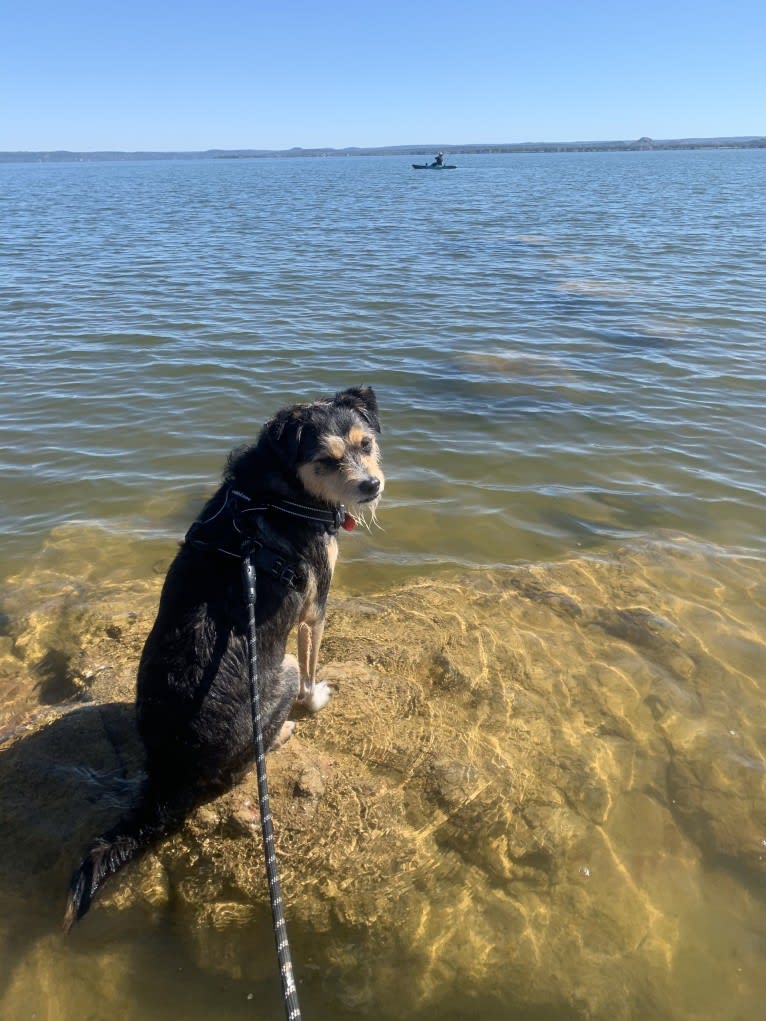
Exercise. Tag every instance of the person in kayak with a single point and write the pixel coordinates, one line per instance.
(439, 159)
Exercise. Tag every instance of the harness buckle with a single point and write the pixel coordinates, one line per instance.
(282, 571)
(288, 575)
(276, 567)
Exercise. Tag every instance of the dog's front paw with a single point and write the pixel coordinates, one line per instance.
(286, 732)
(317, 697)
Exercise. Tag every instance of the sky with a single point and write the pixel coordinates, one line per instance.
(89, 75)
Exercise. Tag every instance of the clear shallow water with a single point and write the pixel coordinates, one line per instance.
(568, 353)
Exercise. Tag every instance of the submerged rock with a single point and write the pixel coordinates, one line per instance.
(512, 805)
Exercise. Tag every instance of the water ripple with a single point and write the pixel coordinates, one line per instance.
(546, 333)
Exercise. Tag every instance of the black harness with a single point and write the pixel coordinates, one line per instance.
(265, 559)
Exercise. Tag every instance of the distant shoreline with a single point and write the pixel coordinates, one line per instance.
(640, 145)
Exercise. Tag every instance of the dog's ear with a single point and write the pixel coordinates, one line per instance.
(363, 400)
(291, 436)
(284, 434)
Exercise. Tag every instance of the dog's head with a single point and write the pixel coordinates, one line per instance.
(332, 447)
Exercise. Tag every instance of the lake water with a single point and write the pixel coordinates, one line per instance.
(569, 352)
(568, 349)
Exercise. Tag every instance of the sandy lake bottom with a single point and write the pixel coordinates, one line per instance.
(539, 792)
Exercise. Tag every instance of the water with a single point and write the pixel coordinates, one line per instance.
(567, 350)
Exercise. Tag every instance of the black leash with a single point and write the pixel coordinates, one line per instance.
(254, 553)
(290, 993)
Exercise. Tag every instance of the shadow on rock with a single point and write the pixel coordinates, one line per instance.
(59, 785)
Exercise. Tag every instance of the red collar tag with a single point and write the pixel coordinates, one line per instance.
(349, 523)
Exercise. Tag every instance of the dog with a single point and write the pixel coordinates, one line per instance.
(314, 469)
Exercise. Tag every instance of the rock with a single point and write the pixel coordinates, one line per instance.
(507, 808)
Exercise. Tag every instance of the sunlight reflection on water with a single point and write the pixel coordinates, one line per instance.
(553, 803)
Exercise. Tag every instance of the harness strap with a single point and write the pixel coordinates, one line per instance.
(331, 519)
(265, 560)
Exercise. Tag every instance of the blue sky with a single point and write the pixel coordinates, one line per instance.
(165, 75)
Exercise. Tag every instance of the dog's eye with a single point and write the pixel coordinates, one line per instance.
(329, 462)
(366, 445)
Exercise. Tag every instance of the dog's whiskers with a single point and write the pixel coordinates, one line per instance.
(373, 519)
(359, 512)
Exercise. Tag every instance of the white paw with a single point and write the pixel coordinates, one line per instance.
(316, 698)
(286, 732)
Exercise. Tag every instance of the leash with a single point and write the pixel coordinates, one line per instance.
(289, 992)
(252, 553)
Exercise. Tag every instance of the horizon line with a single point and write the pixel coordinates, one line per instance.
(413, 148)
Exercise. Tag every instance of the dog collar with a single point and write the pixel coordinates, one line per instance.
(267, 560)
(330, 519)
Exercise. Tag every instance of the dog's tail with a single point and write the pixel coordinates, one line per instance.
(156, 816)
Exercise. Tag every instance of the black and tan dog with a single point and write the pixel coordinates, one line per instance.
(314, 469)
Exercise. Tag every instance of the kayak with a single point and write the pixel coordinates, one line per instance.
(434, 166)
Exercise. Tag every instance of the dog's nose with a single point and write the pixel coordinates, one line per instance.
(370, 487)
